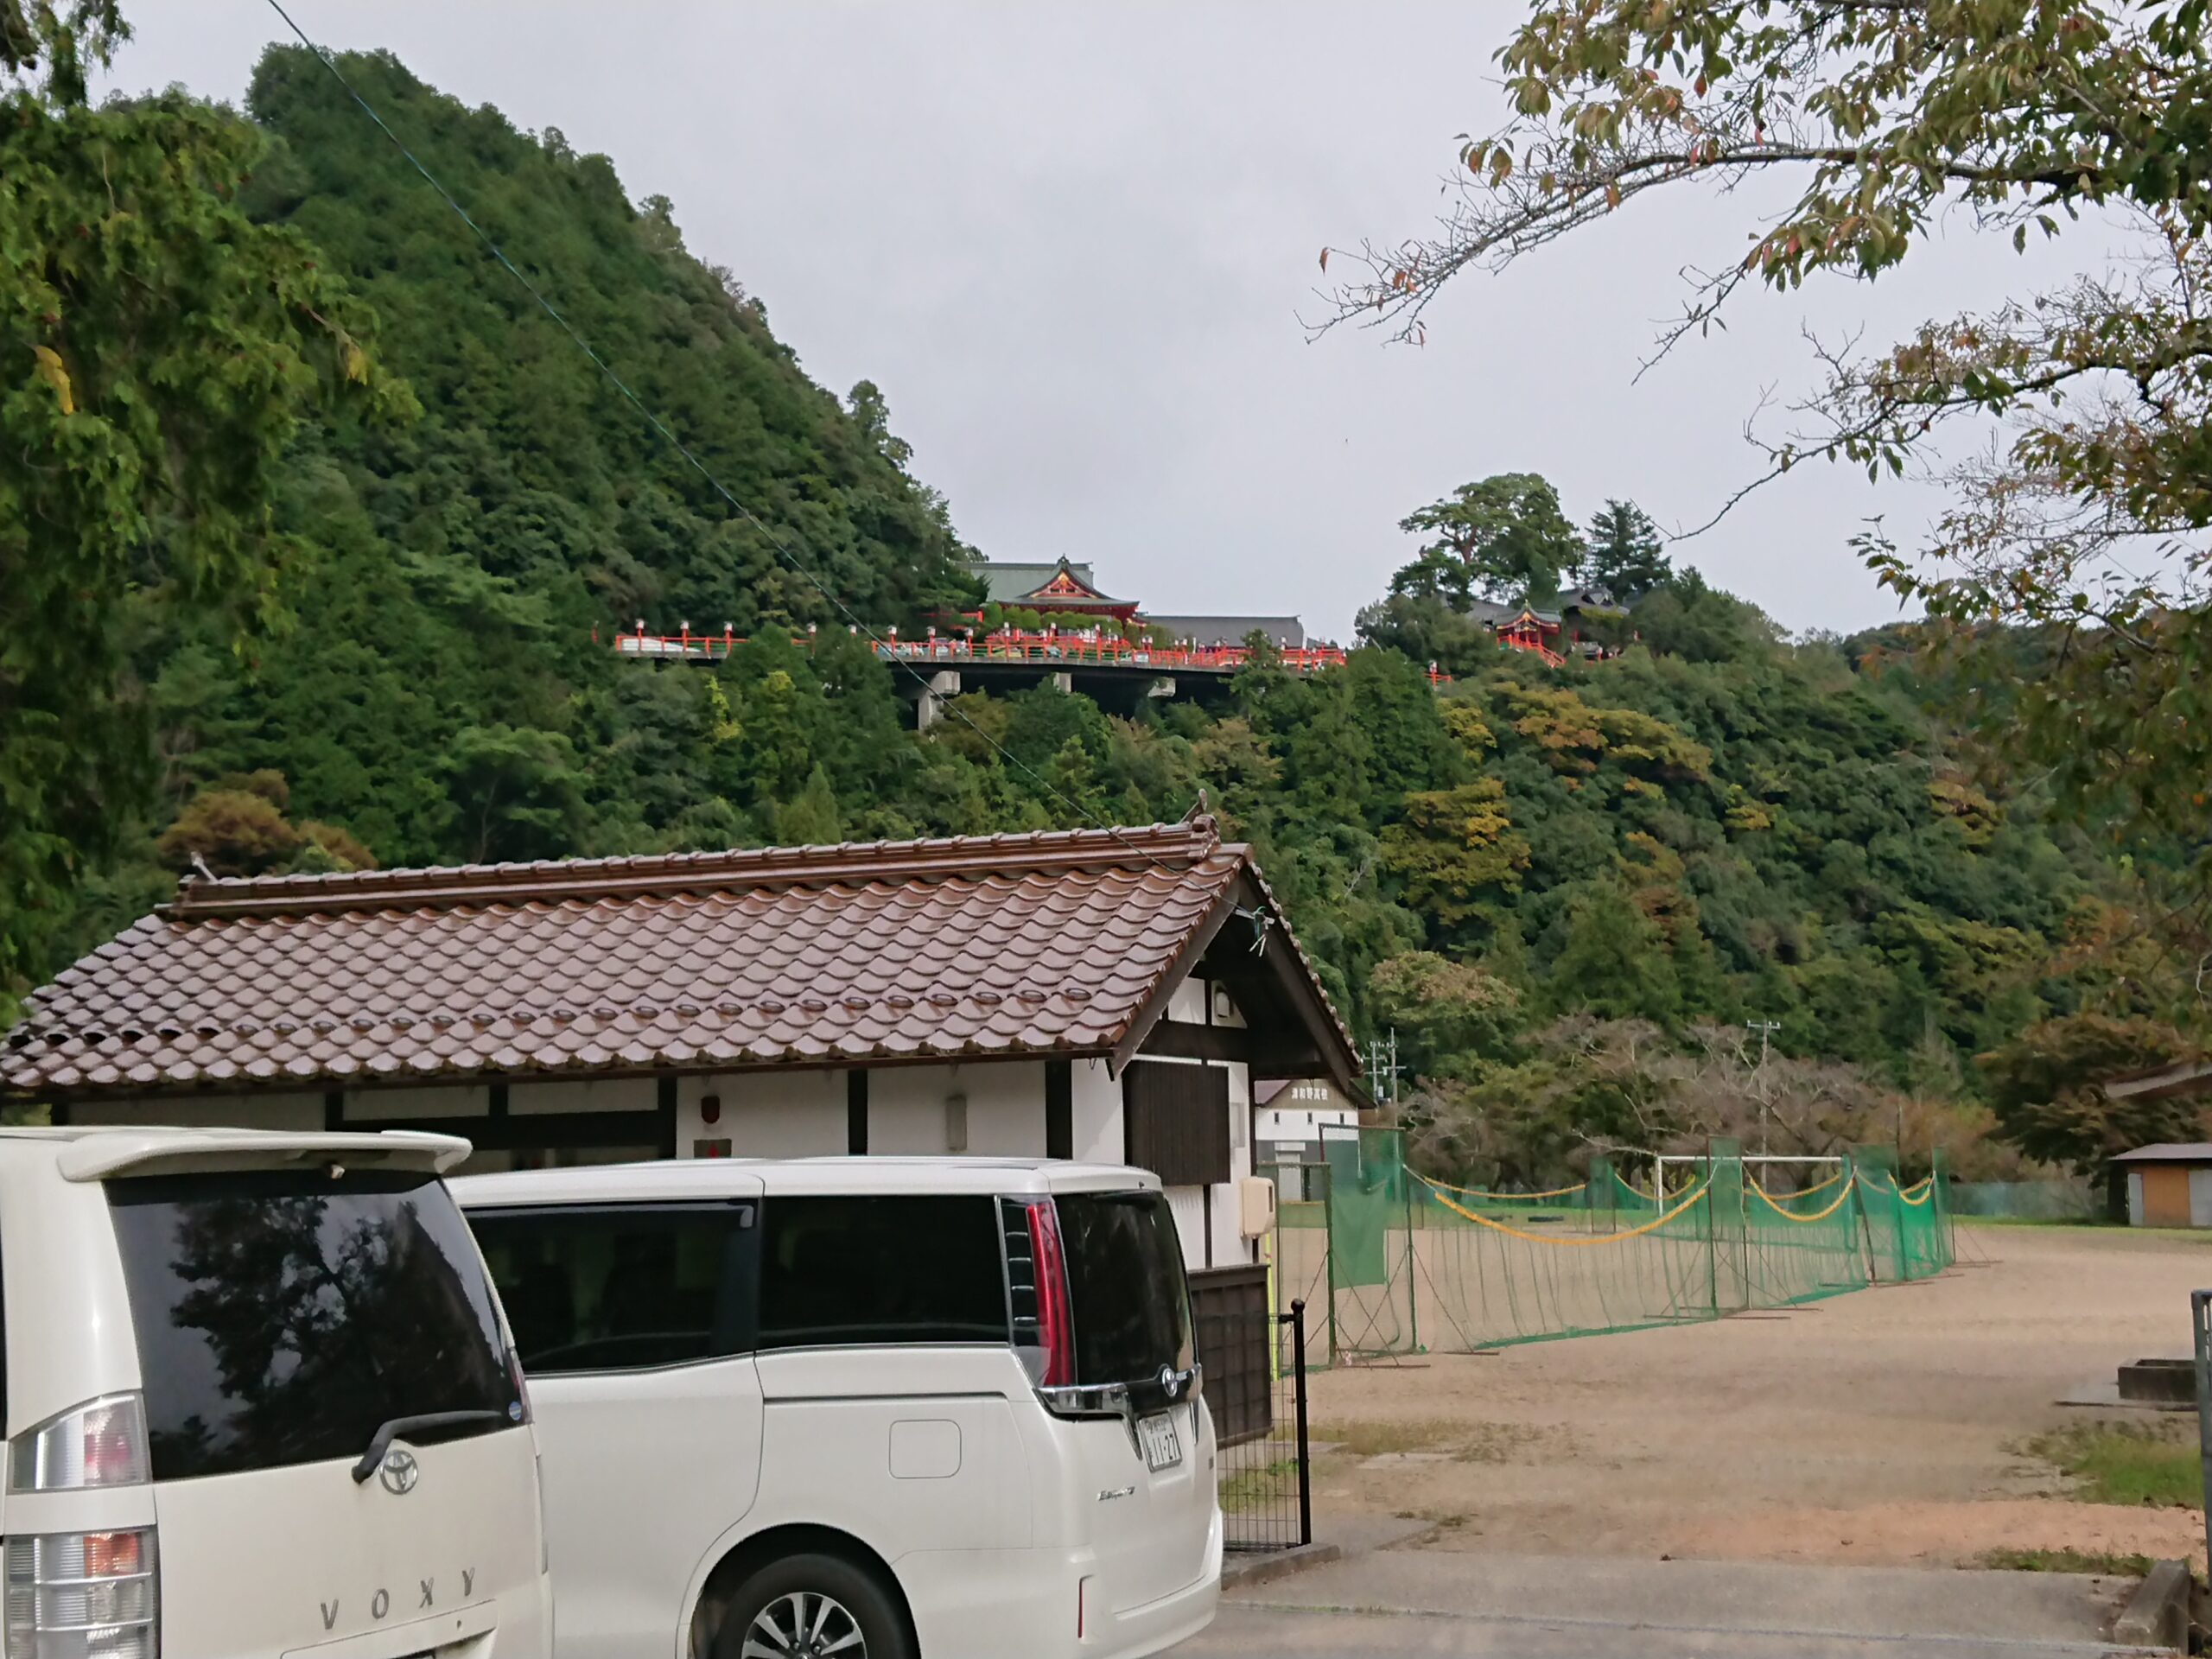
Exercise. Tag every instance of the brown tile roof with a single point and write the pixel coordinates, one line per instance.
(971, 946)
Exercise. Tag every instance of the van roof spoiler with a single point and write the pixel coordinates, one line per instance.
(101, 1155)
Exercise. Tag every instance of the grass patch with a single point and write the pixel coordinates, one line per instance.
(2101, 1563)
(1385, 1439)
(1461, 1442)
(2097, 1563)
(2127, 1463)
(1250, 1487)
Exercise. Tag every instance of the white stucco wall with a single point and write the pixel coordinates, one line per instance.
(765, 1114)
(802, 1114)
(1212, 1235)
(1218, 1243)
(1186, 1004)
(1282, 1123)
(1097, 1115)
(908, 1108)
(1188, 1204)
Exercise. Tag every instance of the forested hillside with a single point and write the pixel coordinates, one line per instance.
(1566, 890)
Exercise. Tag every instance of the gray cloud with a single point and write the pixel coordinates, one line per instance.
(1071, 244)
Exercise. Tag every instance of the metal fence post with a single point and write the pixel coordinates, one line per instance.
(1305, 1455)
(2200, 1319)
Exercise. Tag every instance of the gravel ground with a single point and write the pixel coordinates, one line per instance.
(1882, 1426)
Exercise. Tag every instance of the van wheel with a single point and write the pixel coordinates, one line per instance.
(812, 1607)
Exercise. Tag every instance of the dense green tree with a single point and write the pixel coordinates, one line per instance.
(809, 816)
(165, 350)
(1624, 553)
(1502, 537)
(2044, 1086)
(1449, 1016)
(514, 792)
(2081, 507)
(1565, 886)
(1612, 960)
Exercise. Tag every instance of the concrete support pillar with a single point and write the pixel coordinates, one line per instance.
(1063, 681)
(930, 709)
(1162, 687)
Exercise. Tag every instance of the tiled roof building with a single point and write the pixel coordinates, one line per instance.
(811, 999)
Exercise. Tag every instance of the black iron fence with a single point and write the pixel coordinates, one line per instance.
(1258, 1400)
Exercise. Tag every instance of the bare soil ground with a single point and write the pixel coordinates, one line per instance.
(1883, 1427)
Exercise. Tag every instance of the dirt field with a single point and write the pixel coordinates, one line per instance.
(1885, 1425)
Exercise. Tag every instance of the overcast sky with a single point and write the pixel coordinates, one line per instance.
(1072, 246)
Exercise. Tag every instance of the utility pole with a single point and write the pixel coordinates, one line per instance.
(1382, 1069)
(1765, 1029)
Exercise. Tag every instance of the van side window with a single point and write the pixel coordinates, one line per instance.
(621, 1287)
(866, 1270)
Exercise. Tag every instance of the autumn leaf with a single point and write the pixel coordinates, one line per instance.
(51, 371)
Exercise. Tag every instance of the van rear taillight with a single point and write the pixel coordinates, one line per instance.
(83, 1595)
(101, 1443)
(1055, 1330)
(1043, 1313)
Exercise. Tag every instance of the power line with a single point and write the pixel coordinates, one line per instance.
(884, 652)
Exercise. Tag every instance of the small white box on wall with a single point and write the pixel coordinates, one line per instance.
(1256, 1206)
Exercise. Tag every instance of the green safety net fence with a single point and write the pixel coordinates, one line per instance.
(1371, 1276)
(2051, 1200)
(1909, 1228)
(1414, 1264)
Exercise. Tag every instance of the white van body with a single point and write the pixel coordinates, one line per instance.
(865, 1384)
(189, 1317)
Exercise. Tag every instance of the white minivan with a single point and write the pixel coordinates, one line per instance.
(258, 1400)
(867, 1407)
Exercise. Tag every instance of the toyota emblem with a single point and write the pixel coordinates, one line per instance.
(400, 1471)
(1168, 1381)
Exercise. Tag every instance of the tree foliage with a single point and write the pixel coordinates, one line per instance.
(2085, 510)
(165, 350)
(1623, 554)
(2045, 1087)
(1564, 887)
(1501, 538)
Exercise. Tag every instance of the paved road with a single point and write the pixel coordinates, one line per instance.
(1247, 1630)
(1408, 1601)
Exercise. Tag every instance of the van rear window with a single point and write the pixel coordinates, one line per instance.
(283, 1316)
(1128, 1297)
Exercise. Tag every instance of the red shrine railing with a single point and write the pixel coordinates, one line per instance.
(1524, 637)
(1051, 648)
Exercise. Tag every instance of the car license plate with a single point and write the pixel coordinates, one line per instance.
(1163, 1447)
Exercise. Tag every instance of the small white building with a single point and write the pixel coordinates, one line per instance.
(1106, 995)
(1292, 1115)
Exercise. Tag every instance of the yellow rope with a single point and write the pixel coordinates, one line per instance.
(1788, 1215)
(1752, 1180)
(1569, 1243)
(1477, 1192)
(1925, 1187)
